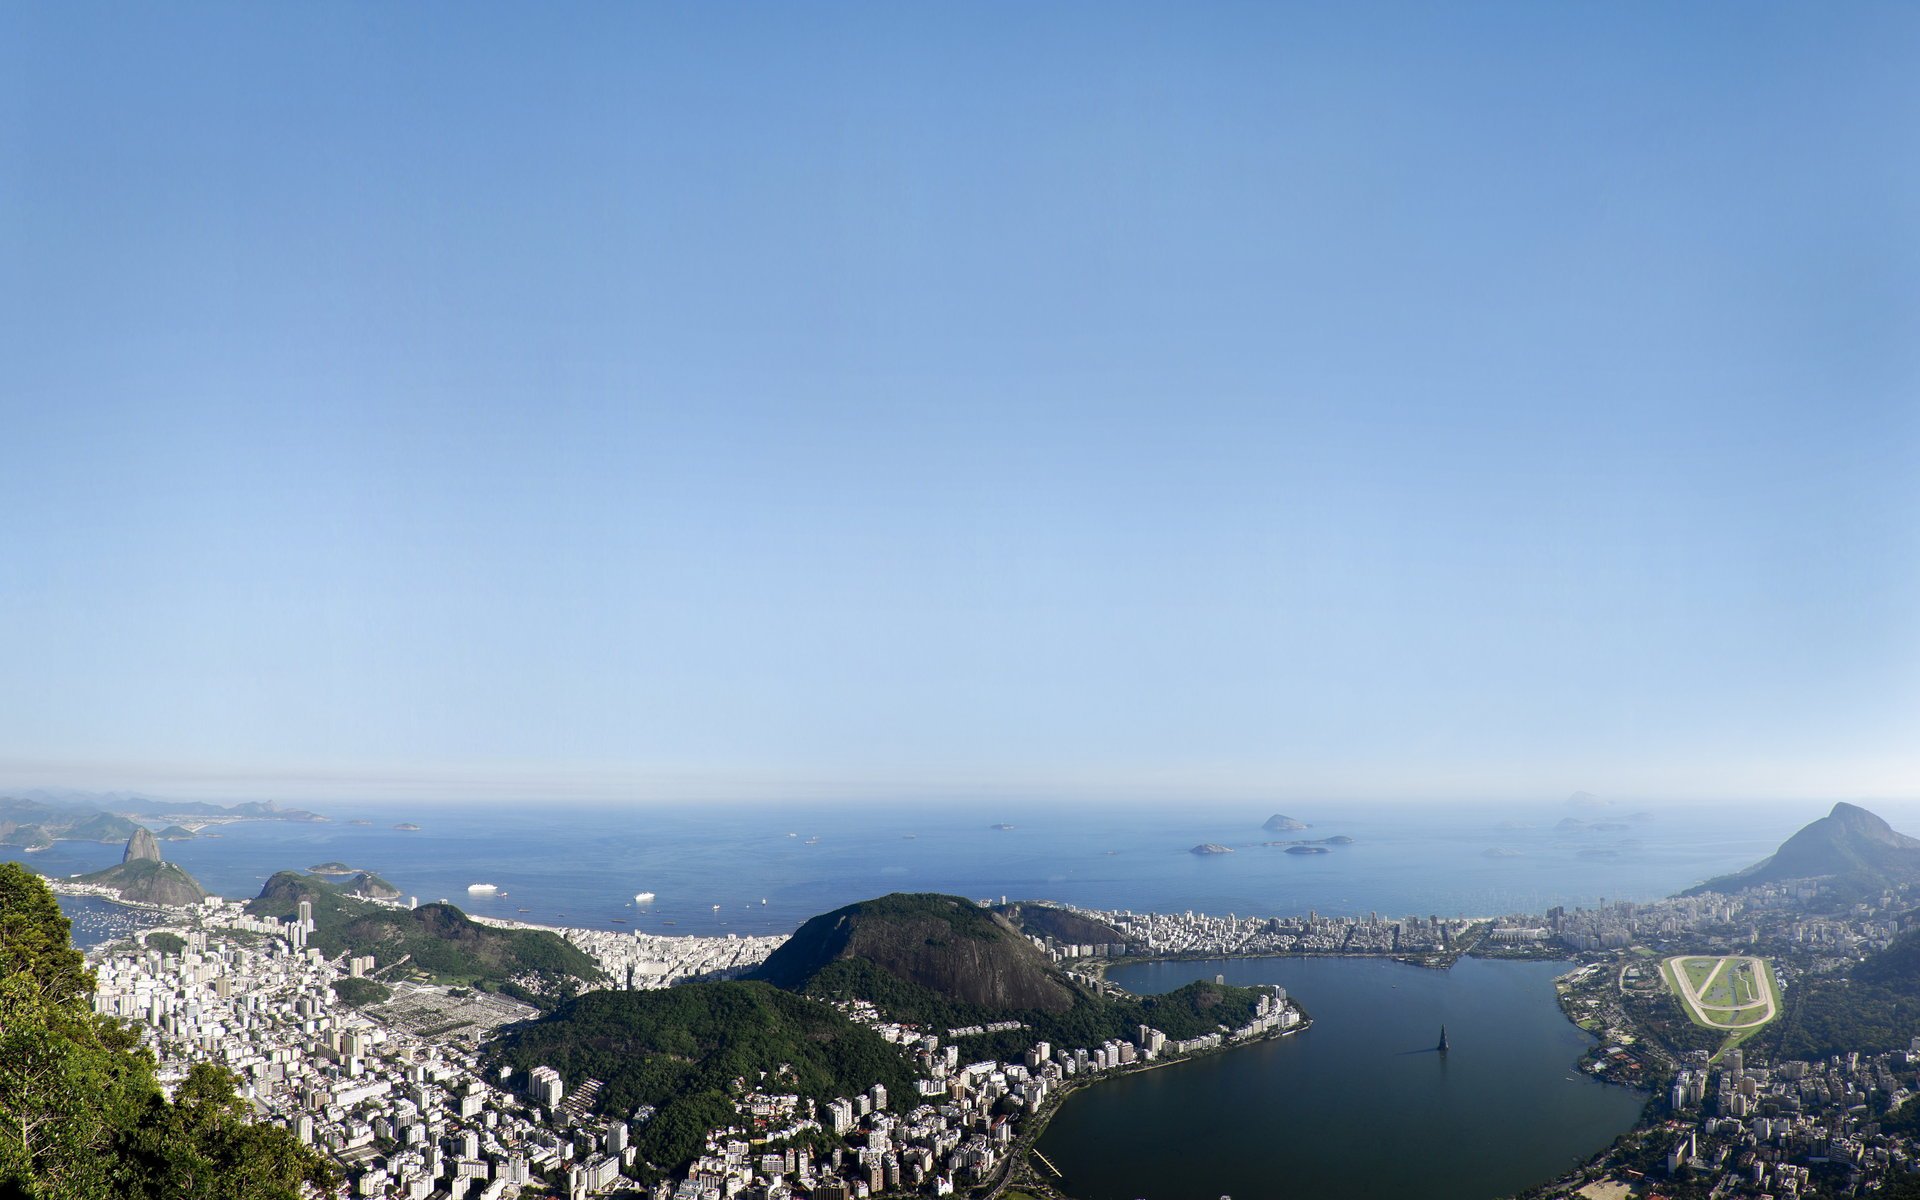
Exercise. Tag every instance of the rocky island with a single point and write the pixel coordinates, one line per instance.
(1281, 823)
(1211, 848)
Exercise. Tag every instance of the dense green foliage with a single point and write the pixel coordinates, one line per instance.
(943, 962)
(947, 944)
(437, 940)
(81, 1117)
(165, 942)
(1874, 1011)
(1198, 1008)
(358, 993)
(687, 1050)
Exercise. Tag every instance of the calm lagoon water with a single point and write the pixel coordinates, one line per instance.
(1359, 1105)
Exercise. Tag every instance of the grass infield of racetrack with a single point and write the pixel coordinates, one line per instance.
(1727, 990)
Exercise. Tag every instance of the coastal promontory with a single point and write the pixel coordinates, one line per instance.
(141, 877)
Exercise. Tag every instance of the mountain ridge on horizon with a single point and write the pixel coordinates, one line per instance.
(1850, 843)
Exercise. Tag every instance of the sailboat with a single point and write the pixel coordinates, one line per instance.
(1442, 1047)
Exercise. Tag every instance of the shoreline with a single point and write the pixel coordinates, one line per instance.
(1019, 1158)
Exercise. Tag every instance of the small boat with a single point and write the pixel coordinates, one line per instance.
(481, 889)
(643, 897)
(619, 920)
(523, 910)
(813, 841)
(716, 908)
(763, 900)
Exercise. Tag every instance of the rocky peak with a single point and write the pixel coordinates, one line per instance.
(142, 845)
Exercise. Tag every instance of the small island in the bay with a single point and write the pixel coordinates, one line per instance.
(330, 868)
(1499, 852)
(1002, 825)
(176, 833)
(1308, 850)
(1211, 848)
(1281, 823)
(407, 827)
(359, 821)
(1338, 839)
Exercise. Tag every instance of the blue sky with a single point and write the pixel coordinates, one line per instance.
(651, 401)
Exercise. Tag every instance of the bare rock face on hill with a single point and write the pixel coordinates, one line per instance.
(142, 845)
(1060, 924)
(946, 944)
(1849, 843)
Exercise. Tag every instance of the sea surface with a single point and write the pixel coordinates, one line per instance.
(1360, 1105)
(765, 869)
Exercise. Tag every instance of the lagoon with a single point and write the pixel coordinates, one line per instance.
(1360, 1105)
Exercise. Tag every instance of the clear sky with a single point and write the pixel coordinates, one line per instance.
(650, 400)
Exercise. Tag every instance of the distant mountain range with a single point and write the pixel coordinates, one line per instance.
(38, 817)
(36, 824)
(1849, 844)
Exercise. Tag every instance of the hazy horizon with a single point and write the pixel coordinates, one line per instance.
(1119, 402)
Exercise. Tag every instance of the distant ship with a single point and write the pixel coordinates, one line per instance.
(716, 908)
(619, 920)
(1442, 1047)
(813, 841)
(643, 897)
(482, 889)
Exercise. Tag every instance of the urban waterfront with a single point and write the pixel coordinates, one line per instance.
(1361, 1105)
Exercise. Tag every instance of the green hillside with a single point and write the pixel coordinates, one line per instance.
(942, 962)
(437, 941)
(81, 1115)
(945, 944)
(149, 881)
(1874, 1011)
(1849, 845)
(685, 1050)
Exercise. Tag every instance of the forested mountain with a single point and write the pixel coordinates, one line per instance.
(436, 940)
(685, 1049)
(1850, 844)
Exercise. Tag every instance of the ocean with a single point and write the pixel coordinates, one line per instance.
(757, 869)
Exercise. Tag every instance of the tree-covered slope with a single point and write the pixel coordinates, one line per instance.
(81, 1116)
(942, 962)
(945, 944)
(149, 881)
(686, 1050)
(436, 940)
